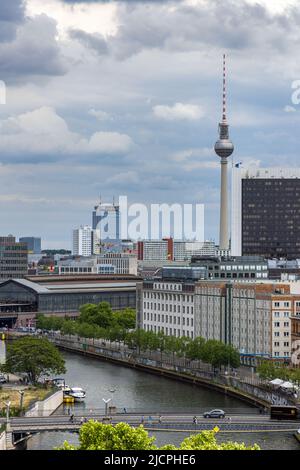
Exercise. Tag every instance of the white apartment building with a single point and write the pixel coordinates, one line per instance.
(83, 241)
(167, 306)
(255, 317)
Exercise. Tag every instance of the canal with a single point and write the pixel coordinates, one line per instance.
(144, 392)
(136, 390)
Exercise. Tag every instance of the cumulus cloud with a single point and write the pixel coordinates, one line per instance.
(186, 26)
(178, 112)
(33, 52)
(44, 132)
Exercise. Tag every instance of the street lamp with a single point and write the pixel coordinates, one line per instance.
(106, 405)
(21, 392)
(7, 403)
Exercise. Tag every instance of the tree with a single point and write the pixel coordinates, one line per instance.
(97, 436)
(34, 357)
(206, 440)
(125, 318)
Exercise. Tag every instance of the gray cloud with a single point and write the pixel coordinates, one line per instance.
(11, 14)
(33, 52)
(187, 27)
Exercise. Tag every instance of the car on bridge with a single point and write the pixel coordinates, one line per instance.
(214, 414)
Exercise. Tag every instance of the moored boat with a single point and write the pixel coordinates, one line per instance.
(77, 393)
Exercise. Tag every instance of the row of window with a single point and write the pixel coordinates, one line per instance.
(173, 297)
(169, 307)
(168, 319)
(170, 331)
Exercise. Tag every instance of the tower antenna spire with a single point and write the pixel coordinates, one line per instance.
(224, 89)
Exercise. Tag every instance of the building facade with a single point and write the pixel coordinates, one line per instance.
(106, 228)
(109, 263)
(83, 241)
(34, 244)
(266, 212)
(22, 299)
(13, 258)
(168, 249)
(254, 317)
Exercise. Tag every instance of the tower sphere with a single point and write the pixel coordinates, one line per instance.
(224, 148)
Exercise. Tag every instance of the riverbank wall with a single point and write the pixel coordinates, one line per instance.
(243, 389)
(3, 441)
(46, 407)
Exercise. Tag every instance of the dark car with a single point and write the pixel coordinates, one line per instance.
(214, 414)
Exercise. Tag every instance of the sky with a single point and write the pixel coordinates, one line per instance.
(124, 98)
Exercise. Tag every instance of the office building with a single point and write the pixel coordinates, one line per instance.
(235, 268)
(13, 258)
(106, 228)
(260, 319)
(108, 263)
(83, 241)
(266, 212)
(34, 244)
(168, 249)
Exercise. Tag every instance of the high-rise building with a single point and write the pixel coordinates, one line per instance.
(106, 227)
(34, 244)
(265, 215)
(224, 148)
(13, 258)
(83, 241)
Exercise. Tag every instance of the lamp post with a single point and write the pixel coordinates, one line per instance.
(21, 392)
(106, 405)
(8, 403)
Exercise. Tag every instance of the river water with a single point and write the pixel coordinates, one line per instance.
(139, 391)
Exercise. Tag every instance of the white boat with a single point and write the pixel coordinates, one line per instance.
(78, 393)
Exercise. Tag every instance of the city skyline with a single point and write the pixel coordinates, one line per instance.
(107, 108)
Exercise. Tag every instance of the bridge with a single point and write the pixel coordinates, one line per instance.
(20, 428)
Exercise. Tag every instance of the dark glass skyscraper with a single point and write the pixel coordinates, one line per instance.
(266, 213)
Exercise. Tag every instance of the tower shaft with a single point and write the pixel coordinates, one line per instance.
(224, 240)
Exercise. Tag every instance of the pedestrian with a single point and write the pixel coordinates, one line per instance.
(195, 421)
(160, 419)
(72, 418)
(150, 420)
(69, 411)
(124, 410)
(81, 420)
(142, 420)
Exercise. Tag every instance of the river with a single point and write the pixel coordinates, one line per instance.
(145, 392)
(141, 391)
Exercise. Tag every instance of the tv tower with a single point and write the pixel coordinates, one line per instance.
(224, 148)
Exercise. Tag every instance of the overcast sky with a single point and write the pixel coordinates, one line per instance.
(124, 98)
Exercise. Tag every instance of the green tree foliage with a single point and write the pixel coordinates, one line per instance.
(269, 370)
(97, 436)
(33, 356)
